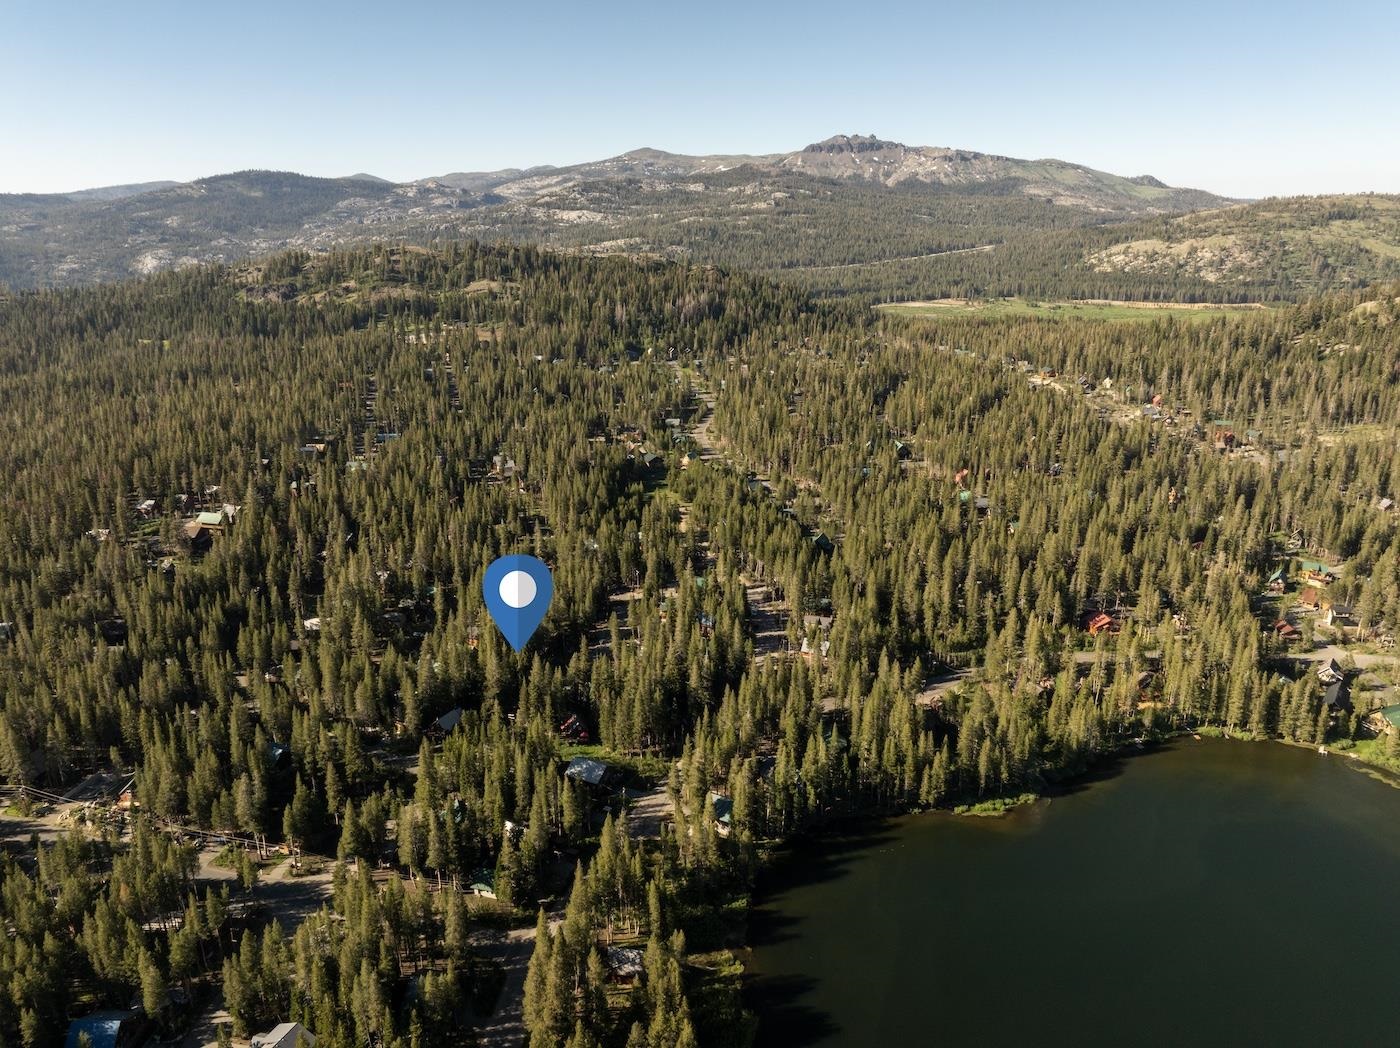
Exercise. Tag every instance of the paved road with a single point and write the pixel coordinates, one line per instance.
(1361, 659)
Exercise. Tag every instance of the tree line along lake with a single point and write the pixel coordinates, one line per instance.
(1206, 893)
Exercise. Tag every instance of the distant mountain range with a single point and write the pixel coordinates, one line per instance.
(869, 159)
(842, 214)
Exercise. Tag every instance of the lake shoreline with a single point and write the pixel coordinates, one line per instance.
(1237, 807)
(1105, 765)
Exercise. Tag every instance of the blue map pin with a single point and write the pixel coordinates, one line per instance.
(517, 589)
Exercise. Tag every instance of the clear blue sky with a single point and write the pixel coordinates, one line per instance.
(1244, 99)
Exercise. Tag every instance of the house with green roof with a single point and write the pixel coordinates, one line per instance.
(1386, 719)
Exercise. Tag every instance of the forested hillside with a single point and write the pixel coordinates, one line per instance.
(810, 561)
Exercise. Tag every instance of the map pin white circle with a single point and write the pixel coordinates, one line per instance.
(518, 589)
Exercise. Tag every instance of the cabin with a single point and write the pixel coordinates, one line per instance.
(574, 729)
(107, 1029)
(448, 722)
(483, 883)
(1100, 623)
(1277, 582)
(1385, 720)
(1316, 573)
(823, 542)
(1337, 615)
(1222, 434)
(591, 772)
(722, 811)
(625, 965)
(285, 1035)
(1310, 599)
(1329, 672)
(1384, 504)
(199, 537)
(1285, 631)
(1337, 698)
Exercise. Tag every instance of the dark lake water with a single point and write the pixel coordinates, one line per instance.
(1208, 893)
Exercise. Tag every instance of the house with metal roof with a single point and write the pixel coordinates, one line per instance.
(483, 883)
(449, 720)
(591, 771)
(1386, 719)
(285, 1035)
(722, 810)
(625, 965)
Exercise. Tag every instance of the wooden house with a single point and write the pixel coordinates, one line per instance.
(1101, 623)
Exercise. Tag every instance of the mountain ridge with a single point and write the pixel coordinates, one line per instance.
(822, 215)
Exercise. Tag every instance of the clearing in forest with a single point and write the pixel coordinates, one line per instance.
(1076, 309)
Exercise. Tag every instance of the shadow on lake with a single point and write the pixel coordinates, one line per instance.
(785, 1002)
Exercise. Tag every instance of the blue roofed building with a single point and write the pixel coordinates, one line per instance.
(109, 1029)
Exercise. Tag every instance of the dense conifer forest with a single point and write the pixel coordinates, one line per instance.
(810, 561)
